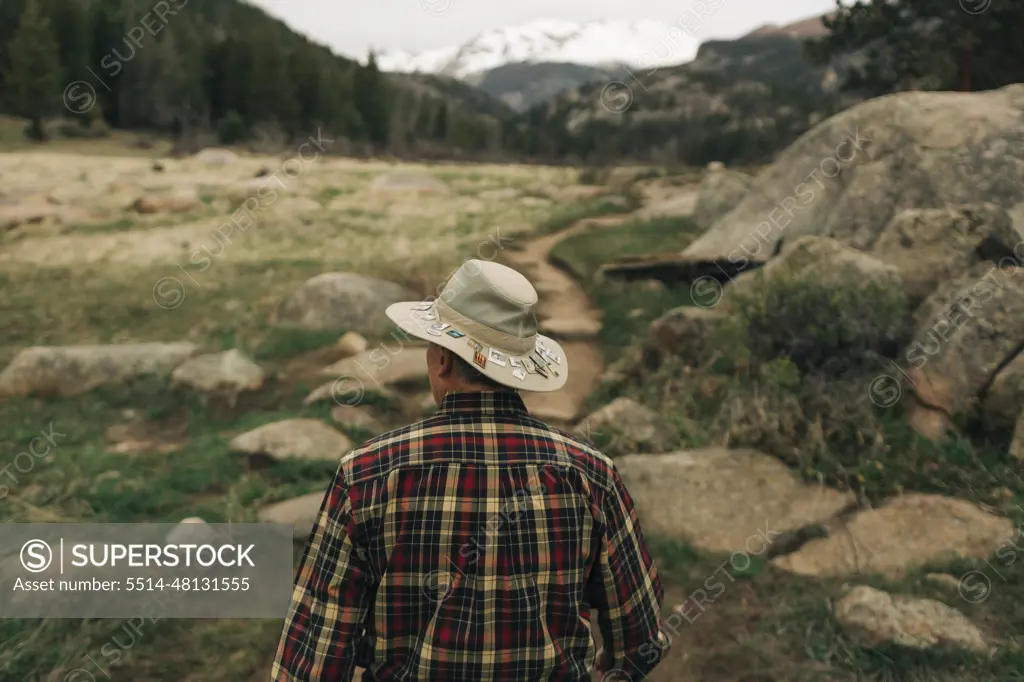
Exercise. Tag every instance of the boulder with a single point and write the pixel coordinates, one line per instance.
(724, 500)
(192, 530)
(407, 367)
(966, 334)
(300, 513)
(228, 371)
(850, 175)
(342, 300)
(720, 191)
(625, 426)
(933, 245)
(819, 259)
(73, 370)
(351, 344)
(873, 618)
(308, 439)
(1005, 395)
(905, 533)
(360, 418)
(216, 157)
(688, 332)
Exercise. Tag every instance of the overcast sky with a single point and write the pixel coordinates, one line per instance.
(352, 28)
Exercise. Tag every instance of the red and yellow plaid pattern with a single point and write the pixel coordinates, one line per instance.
(473, 546)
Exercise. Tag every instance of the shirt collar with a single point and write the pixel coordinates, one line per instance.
(482, 402)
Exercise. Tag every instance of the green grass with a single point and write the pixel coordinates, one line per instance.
(326, 194)
(585, 252)
(607, 204)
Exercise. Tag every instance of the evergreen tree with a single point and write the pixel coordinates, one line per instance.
(924, 44)
(373, 101)
(34, 78)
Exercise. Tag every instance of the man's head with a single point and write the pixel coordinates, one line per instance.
(448, 373)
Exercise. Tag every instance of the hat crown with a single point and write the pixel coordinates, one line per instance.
(493, 295)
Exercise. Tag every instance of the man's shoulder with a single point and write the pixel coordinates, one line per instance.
(382, 454)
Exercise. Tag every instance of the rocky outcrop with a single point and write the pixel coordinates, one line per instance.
(1005, 396)
(724, 500)
(966, 334)
(905, 533)
(873, 618)
(357, 418)
(850, 175)
(342, 300)
(720, 191)
(73, 370)
(308, 439)
(930, 246)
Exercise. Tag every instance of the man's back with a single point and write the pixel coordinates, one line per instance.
(472, 546)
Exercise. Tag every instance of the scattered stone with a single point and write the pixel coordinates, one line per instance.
(720, 191)
(688, 332)
(192, 530)
(216, 157)
(943, 580)
(407, 367)
(300, 513)
(874, 618)
(73, 370)
(722, 500)
(352, 343)
(339, 300)
(907, 532)
(349, 391)
(410, 181)
(358, 418)
(228, 371)
(631, 428)
(181, 201)
(309, 439)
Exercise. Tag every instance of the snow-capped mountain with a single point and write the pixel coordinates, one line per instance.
(645, 44)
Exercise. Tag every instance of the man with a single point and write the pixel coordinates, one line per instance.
(473, 545)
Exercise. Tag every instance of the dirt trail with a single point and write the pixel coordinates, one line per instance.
(566, 314)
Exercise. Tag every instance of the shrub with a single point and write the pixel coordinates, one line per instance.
(832, 327)
(231, 128)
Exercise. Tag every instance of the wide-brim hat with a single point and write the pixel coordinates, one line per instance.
(485, 314)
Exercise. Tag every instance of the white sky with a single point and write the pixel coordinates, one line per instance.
(422, 24)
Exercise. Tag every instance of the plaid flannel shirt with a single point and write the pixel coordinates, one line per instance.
(473, 546)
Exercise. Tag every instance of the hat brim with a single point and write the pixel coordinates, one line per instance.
(408, 316)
